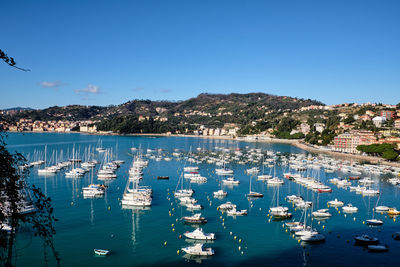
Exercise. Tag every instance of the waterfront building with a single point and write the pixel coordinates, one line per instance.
(365, 137)
(346, 142)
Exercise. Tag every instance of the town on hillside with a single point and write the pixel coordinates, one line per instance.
(369, 128)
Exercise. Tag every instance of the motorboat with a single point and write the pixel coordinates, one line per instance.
(294, 198)
(186, 200)
(200, 235)
(282, 215)
(370, 192)
(230, 181)
(335, 203)
(184, 193)
(303, 204)
(382, 209)
(101, 252)
(374, 222)
(227, 206)
(220, 193)
(198, 250)
(349, 208)
(393, 212)
(196, 218)
(278, 210)
(366, 240)
(322, 213)
(234, 212)
(324, 189)
(192, 206)
(198, 179)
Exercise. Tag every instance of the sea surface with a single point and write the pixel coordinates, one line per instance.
(152, 237)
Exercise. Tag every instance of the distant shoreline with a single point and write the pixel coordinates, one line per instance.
(293, 142)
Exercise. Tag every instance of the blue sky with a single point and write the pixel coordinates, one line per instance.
(109, 52)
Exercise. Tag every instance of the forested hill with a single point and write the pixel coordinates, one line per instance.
(213, 110)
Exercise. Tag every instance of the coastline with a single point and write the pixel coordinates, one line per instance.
(294, 142)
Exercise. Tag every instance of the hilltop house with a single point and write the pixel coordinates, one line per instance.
(379, 121)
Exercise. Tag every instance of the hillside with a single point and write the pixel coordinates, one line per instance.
(210, 110)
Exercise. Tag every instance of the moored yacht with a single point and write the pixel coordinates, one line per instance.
(196, 218)
(200, 235)
(198, 250)
(349, 208)
(335, 203)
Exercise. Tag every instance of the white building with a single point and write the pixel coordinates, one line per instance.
(379, 121)
(319, 127)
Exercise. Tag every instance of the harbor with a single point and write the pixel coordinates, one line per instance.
(244, 202)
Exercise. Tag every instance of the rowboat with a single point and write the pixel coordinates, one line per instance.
(101, 252)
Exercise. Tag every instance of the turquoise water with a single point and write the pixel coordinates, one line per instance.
(137, 237)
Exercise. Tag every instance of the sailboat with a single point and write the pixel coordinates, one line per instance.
(264, 176)
(182, 192)
(93, 190)
(373, 221)
(253, 193)
(46, 170)
(99, 147)
(224, 170)
(279, 212)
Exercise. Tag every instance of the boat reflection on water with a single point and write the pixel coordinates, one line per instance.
(136, 212)
(197, 241)
(135, 208)
(195, 258)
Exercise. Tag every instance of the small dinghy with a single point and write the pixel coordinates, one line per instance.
(101, 252)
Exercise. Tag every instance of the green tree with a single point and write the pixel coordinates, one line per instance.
(390, 155)
(12, 198)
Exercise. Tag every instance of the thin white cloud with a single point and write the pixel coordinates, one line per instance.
(47, 84)
(90, 89)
